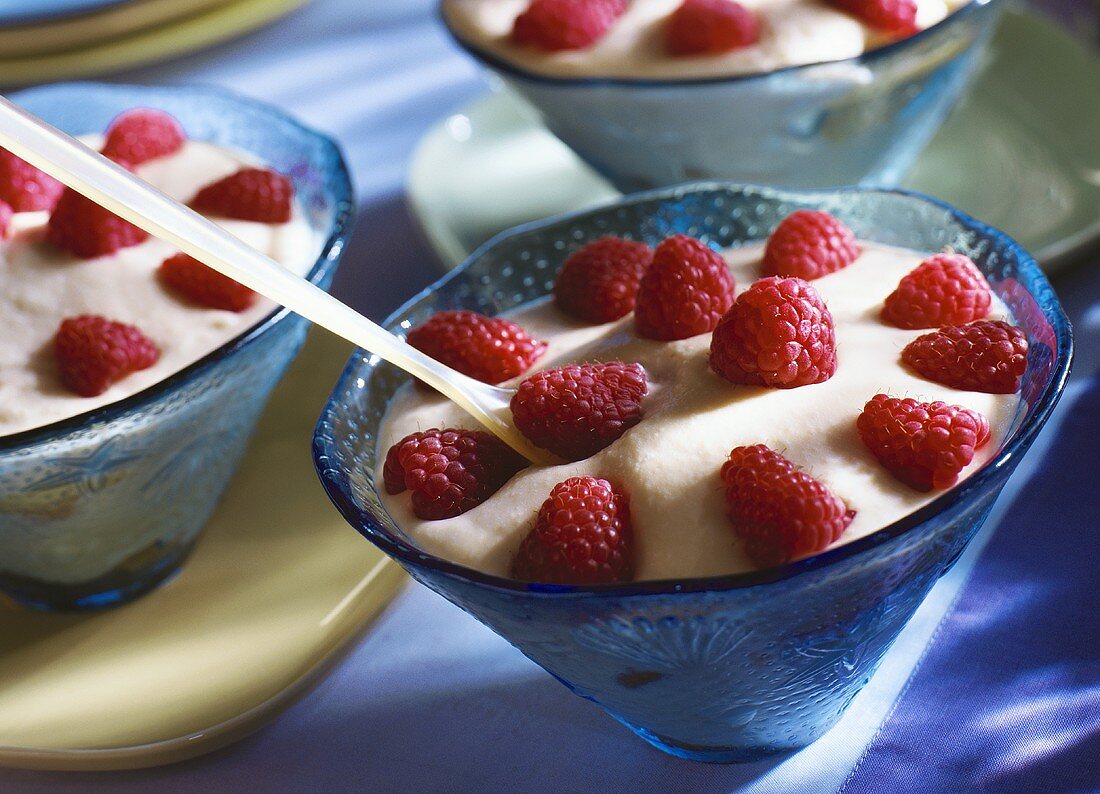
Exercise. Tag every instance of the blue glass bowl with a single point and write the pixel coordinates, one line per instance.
(861, 120)
(726, 668)
(99, 508)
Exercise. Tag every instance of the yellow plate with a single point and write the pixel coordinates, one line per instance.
(277, 590)
(146, 45)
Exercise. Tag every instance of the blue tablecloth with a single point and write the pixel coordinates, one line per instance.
(995, 685)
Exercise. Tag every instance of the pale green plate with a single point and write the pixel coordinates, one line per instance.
(1021, 152)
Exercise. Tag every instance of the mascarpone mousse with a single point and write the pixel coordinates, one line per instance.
(41, 285)
(793, 32)
(668, 464)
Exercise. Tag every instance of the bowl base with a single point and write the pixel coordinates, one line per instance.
(141, 572)
(708, 754)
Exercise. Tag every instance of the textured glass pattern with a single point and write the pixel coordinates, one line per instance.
(726, 668)
(857, 121)
(97, 509)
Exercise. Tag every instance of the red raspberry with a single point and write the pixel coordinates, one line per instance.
(83, 228)
(554, 25)
(684, 292)
(251, 194)
(809, 244)
(5, 218)
(449, 471)
(578, 410)
(780, 512)
(582, 536)
(710, 27)
(143, 134)
(987, 356)
(925, 445)
(779, 333)
(24, 187)
(944, 289)
(191, 279)
(92, 353)
(488, 349)
(599, 282)
(898, 17)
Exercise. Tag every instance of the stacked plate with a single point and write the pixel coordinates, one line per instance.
(43, 40)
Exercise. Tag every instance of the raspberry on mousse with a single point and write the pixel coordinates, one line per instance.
(554, 25)
(809, 244)
(987, 356)
(944, 289)
(924, 445)
(710, 27)
(251, 194)
(779, 333)
(489, 349)
(780, 512)
(93, 353)
(582, 535)
(599, 282)
(143, 134)
(685, 291)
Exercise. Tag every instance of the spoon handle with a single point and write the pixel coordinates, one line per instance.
(111, 186)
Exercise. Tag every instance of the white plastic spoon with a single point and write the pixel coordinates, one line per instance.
(89, 173)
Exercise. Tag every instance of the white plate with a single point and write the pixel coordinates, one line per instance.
(1021, 152)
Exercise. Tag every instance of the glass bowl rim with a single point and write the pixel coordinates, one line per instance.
(499, 64)
(365, 522)
(343, 198)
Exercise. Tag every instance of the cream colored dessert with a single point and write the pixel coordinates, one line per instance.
(668, 465)
(41, 285)
(793, 32)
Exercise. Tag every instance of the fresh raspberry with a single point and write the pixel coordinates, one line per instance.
(83, 228)
(809, 244)
(143, 134)
(449, 471)
(24, 187)
(582, 536)
(944, 289)
(578, 410)
(599, 282)
(780, 512)
(251, 194)
(92, 353)
(779, 333)
(488, 349)
(5, 218)
(191, 279)
(710, 27)
(925, 445)
(987, 356)
(685, 291)
(897, 17)
(554, 25)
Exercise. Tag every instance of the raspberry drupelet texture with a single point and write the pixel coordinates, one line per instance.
(193, 281)
(489, 349)
(554, 25)
(780, 512)
(576, 411)
(251, 194)
(809, 244)
(898, 17)
(599, 282)
(924, 445)
(24, 187)
(582, 535)
(449, 471)
(85, 229)
(710, 27)
(93, 353)
(944, 289)
(987, 356)
(685, 291)
(143, 134)
(779, 333)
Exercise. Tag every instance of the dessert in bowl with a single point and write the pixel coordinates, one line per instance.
(133, 376)
(817, 96)
(765, 654)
